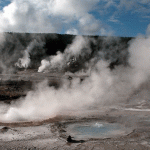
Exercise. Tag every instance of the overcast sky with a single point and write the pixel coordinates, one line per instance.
(88, 17)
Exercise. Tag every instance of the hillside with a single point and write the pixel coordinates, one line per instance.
(40, 46)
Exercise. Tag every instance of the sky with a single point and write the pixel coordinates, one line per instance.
(125, 18)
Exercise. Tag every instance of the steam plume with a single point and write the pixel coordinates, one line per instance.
(140, 59)
(79, 47)
(24, 62)
(103, 87)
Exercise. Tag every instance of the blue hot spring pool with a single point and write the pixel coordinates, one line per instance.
(96, 130)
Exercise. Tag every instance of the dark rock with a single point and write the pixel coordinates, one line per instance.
(5, 129)
(70, 140)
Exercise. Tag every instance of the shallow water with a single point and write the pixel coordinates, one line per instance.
(96, 130)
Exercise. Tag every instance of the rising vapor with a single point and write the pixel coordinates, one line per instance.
(103, 87)
(117, 69)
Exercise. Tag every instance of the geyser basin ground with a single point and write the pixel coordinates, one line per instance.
(52, 134)
(96, 130)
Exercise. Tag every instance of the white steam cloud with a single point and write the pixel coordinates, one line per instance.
(80, 46)
(47, 102)
(102, 87)
(24, 62)
(140, 59)
(44, 64)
